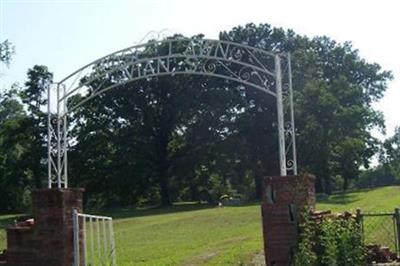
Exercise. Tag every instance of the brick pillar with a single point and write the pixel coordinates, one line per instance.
(284, 197)
(50, 240)
(21, 244)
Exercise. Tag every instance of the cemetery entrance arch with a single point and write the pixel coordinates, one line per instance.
(252, 67)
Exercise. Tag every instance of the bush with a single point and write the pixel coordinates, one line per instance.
(305, 254)
(330, 241)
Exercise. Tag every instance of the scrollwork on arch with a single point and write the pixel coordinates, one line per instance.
(289, 164)
(233, 61)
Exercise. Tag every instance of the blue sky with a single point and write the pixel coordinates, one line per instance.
(65, 35)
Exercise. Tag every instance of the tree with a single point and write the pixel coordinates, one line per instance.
(14, 146)
(6, 52)
(33, 95)
(22, 139)
(334, 92)
(340, 115)
(159, 118)
(390, 156)
(181, 137)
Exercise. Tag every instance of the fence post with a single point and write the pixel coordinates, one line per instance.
(360, 221)
(358, 215)
(397, 218)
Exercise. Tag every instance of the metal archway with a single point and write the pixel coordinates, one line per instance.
(253, 67)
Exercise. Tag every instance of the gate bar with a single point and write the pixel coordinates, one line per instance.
(75, 225)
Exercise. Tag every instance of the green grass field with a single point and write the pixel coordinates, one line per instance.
(372, 200)
(203, 235)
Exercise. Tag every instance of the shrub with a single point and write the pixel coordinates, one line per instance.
(330, 241)
(305, 254)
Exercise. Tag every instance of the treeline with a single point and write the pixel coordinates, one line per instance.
(388, 171)
(197, 138)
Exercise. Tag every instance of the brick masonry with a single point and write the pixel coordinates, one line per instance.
(284, 197)
(49, 240)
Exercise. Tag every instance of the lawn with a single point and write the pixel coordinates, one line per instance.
(202, 235)
(372, 200)
(189, 235)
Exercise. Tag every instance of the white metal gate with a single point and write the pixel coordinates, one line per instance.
(93, 240)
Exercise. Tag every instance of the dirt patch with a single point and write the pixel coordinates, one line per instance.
(203, 258)
(258, 259)
(200, 259)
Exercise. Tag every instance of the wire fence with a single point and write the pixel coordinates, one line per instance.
(382, 229)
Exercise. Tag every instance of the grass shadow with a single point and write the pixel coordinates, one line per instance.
(160, 210)
(155, 210)
(339, 199)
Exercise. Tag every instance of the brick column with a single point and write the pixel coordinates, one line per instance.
(49, 241)
(284, 197)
